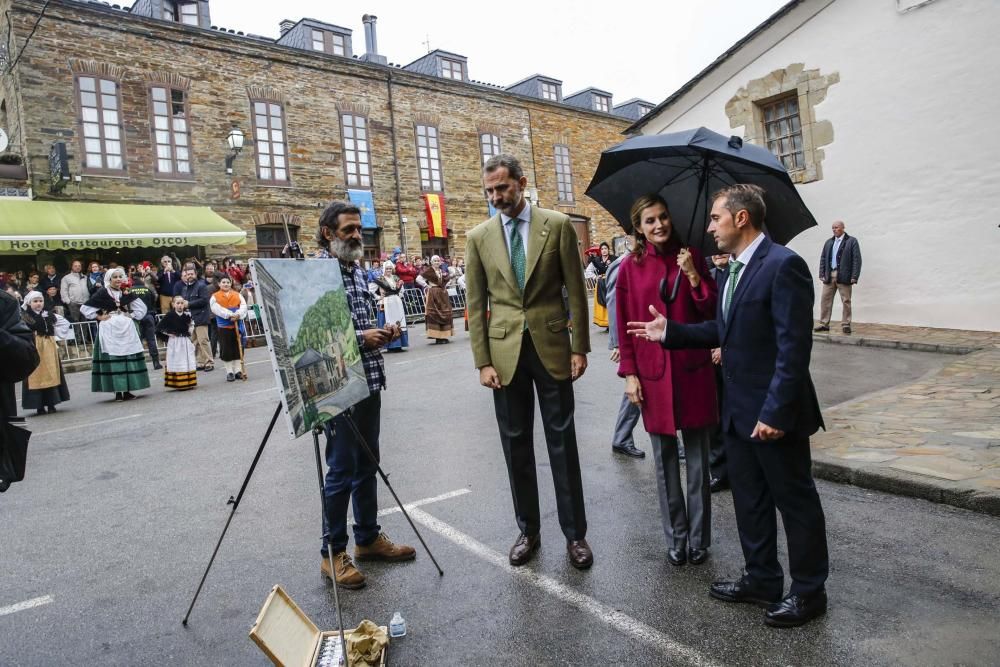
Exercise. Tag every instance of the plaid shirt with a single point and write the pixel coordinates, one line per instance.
(362, 305)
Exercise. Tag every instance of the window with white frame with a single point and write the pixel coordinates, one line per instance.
(429, 158)
(451, 69)
(329, 42)
(171, 134)
(357, 158)
(181, 12)
(602, 103)
(489, 145)
(271, 146)
(100, 120)
(643, 110)
(319, 44)
(550, 91)
(564, 174)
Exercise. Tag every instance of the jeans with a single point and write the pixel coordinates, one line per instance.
(351, 476)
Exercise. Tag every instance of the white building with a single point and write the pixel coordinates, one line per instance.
(890, 108)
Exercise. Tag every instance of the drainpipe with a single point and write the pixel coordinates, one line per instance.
(395, 166)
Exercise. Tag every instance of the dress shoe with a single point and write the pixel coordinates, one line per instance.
(697, 556)
(743, 590)
(822, 327)
(348, 576)
(718, 484)
(796, 610)
(156, 365)
(847, 331)
(52, 409)
(580, 555)
(629, 450)
(238, 375)
(384, 549)
(524, 548)
(677, 556)
(129, 396)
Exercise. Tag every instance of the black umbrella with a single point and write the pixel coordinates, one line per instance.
(686, 168)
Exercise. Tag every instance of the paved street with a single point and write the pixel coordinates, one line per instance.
(103, 546)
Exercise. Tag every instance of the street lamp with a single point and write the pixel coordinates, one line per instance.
(235, 142)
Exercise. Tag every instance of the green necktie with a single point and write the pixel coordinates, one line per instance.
(734, 272)
(517, 252)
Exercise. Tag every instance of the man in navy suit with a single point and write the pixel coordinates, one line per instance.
(769, 411)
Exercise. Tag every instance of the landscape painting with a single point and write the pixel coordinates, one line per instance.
(310, 335)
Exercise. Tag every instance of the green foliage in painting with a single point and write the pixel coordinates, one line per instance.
(326, 321)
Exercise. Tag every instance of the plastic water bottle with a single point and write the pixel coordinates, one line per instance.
(397, 626)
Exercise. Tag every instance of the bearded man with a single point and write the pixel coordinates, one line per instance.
(351, 473)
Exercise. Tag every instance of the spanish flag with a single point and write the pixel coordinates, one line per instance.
(437, 226)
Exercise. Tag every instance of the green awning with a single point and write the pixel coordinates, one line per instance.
(30, 226)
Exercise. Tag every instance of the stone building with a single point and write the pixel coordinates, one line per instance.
(144, 100)
(882, 112)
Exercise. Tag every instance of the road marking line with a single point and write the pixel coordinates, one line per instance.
(27, 604)
(100, 423)
(262, 391)
(264, 361)
(432, 356)
(607, 615)
(425, 501)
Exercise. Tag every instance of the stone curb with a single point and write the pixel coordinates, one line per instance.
(941, 348)
(905, 484)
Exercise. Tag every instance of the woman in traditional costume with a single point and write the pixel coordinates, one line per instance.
(230, 309)
(119, 364)
(392, 311)
(437, 313)
(177, 327)
(601, 262)
(45, 387)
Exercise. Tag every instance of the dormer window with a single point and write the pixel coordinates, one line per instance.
(451, 69)
(602, 103)
(181, 12)
(643, 110)
(550, 91)
(329, 42)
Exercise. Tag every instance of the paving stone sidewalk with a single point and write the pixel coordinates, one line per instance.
(923, 339)
(937, 438)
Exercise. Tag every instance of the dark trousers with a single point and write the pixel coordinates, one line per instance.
(717, 449)
(515, 409)
(147, 327)
(351, 475)
(213, 337)
(778, 474)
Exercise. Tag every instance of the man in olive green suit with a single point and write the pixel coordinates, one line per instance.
(517, 264)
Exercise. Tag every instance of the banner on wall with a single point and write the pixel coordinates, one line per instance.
(437, 225)
(363, 200)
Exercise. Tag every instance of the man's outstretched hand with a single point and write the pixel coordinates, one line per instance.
(652, 331)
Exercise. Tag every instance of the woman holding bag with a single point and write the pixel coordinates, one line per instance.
(46, 387)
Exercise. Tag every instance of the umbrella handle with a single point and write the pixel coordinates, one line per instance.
(670, 298)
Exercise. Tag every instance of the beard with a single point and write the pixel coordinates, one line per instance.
(347, 251)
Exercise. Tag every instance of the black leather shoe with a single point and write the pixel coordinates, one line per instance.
(796, 610)
(743, 590)
(629, 450)
(677, 556)
(717, 484)
(822, 327)
(156, 365)
(580, 555)
(847, 331)
(697, 556)
(524, 548)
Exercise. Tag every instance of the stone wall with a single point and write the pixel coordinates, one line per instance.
(220, 68)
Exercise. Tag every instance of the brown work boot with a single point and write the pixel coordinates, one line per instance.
(383, 549)
(348, 576)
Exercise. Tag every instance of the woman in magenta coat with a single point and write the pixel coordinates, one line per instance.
(674, 388)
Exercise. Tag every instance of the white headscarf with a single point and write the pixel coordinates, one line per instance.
(31, 296)
(113, 272)
(388, 266)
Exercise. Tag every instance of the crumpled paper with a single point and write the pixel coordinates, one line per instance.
(364, 645)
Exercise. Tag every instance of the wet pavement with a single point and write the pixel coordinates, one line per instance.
(107, 539)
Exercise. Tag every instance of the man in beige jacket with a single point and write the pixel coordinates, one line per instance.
(517, 264)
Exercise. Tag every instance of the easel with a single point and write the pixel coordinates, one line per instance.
(235, 502)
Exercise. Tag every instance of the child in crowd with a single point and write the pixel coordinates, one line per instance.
(177, 327)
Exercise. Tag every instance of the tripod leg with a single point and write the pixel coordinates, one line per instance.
(235, 502)
(364, 443)
(329, 546)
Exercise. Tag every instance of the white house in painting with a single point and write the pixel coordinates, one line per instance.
(887, 113)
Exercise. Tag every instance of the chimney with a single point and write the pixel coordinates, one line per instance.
(285, 26)
(371, 41)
